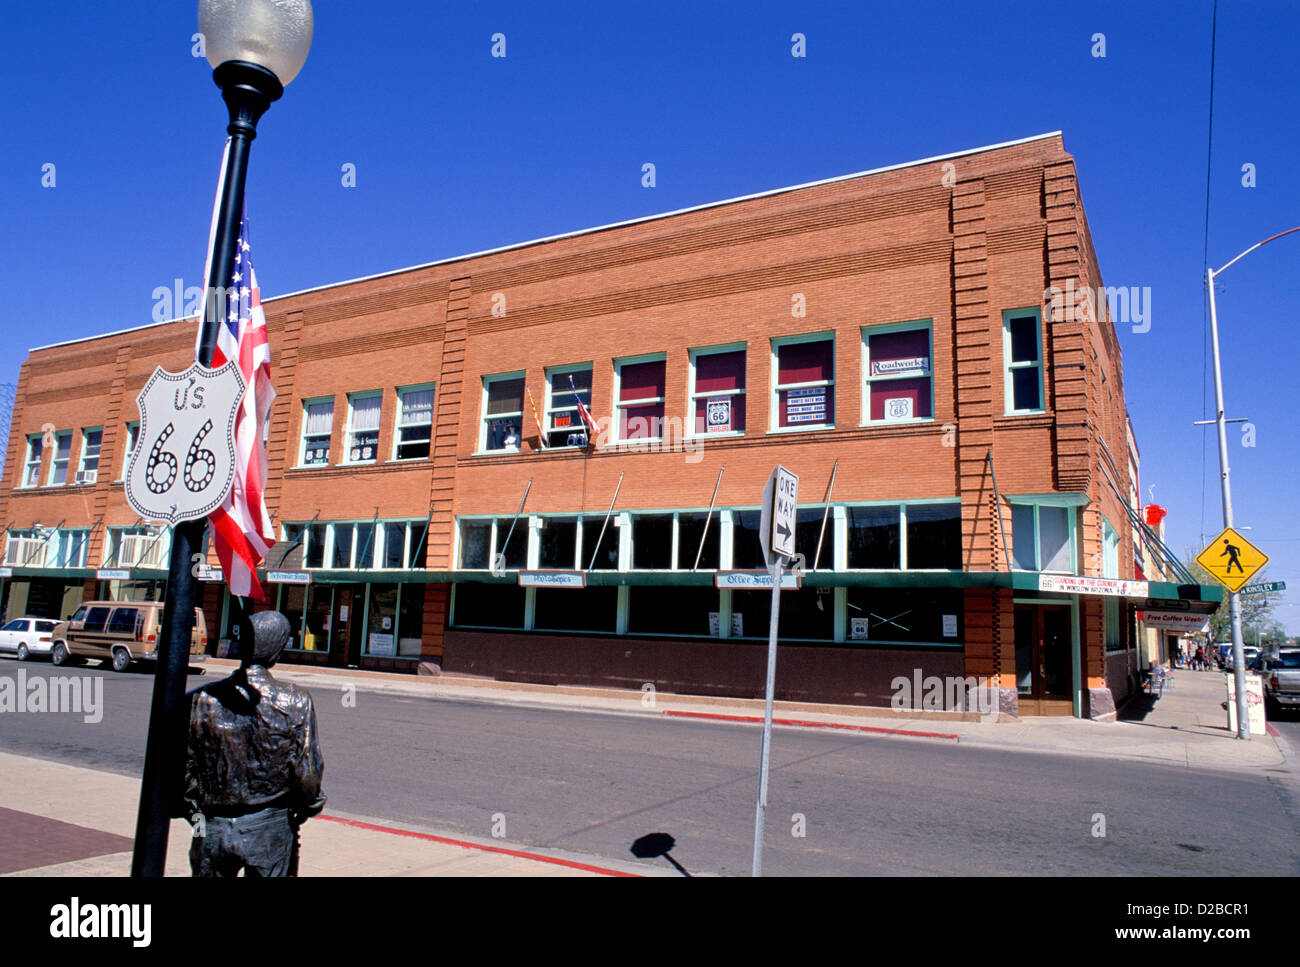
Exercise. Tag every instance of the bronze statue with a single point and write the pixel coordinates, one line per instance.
(254, 766)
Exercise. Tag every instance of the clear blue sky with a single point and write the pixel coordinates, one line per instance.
(456, 151)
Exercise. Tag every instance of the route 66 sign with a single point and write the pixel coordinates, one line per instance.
(183, 465)
(718, 415)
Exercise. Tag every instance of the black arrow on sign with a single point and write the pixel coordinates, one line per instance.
(782, 529)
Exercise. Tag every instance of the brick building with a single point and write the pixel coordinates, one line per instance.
(915, 331)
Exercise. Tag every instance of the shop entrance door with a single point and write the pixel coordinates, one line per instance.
(1044, 665)
(345, 642)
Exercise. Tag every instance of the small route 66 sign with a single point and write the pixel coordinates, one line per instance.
(183, 465)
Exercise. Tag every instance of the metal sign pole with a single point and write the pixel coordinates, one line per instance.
(765, 749)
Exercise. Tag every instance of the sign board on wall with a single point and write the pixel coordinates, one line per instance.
(1184, 622)
(381, 645)
(1254, 703)
(1070, 584)
(552, 579)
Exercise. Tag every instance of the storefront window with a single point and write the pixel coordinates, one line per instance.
(476, 544)
(805, 614)
(488, 606)
(591, 609)
(320, 606)
(381, 631)
(672, 611)
(410, 625)
(394, 545)
(690, 530)
(292, 599)
(896, 615)
(934, 536)
(746, 552)
(314, 555)
(558, 544)
(606, 557)
(652, 542)
(873, 537)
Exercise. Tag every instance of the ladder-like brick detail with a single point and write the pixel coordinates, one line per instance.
(284, 369)
(110, 454)
(447, 425)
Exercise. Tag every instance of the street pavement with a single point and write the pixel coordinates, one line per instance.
(438, 776)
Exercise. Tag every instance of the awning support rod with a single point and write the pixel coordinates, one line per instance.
(703, 537)
(596, 550)
(830, 487)
(997, 502)
(289, 550)
(500, 562)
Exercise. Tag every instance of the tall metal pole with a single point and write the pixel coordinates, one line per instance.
(248, 91)
(765, 748)
(1234, 600)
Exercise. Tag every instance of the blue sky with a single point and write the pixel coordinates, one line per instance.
(456, 151)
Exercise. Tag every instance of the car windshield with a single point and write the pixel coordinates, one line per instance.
(1288, 659)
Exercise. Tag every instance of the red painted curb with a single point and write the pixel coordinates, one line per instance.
(1271, 731)
(811, 725)
(374, 827)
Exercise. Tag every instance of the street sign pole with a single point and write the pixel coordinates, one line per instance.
(765, 749)
(776, 533)
(1234, 601)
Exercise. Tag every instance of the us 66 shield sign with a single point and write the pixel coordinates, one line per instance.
(183, 465)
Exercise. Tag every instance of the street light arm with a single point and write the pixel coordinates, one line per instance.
(1253, 247)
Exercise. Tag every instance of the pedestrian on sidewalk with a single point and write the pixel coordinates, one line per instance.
(254, 767)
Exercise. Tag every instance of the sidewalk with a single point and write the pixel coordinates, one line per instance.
(1186, 726)
(61, 820)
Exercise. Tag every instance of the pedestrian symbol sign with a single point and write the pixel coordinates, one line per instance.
(1232, 559)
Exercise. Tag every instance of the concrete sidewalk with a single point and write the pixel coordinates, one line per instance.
(61, 820)
(1186, 726)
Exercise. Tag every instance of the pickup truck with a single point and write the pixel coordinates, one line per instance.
(1281, 673)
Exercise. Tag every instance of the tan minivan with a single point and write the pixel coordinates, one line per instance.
(119, 632)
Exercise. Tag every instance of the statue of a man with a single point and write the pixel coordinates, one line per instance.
(254, 766)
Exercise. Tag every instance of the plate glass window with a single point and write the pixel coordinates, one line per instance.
(641, 399)
(1022, 350)
(805, 383)
(363, 431)
(717, 391)
(899, 378)
(318, 426)
(564, 425)
(62, 454)
(1041, 538)
(32, 465)
(414, 423)
(132, 437)
(503, 411)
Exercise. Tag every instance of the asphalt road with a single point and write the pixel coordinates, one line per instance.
(594, 783)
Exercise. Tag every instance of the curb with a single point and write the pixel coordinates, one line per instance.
(806, 724)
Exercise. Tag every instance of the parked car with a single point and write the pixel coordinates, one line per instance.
(1281, 679)
(119, 632)
(26, 637)
(1248, 653)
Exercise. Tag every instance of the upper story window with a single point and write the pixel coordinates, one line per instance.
(717, 390)
(91, 441)
(487, 541)
(414, 437)
(363, 427)
(62, 454)
(908, 536)
(25, 548)
(639, 397)
(317, 428)
(132, 437)
(1022, 351)
(565, 386)
(71, 548)
(148, 546)
(897, 362)
(673, 540)
(803, 387)
(1042, 537)
(503, 412)
(32, 462)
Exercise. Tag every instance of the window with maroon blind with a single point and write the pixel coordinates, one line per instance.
(899, 379)
(718, 391)
(640, 399)
(805, 383)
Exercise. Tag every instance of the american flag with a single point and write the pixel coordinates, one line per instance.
(241, 526)
(585, 413)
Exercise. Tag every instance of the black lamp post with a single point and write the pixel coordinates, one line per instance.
(255, 47)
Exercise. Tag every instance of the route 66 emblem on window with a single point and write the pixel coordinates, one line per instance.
(183, 465)
(718, 414)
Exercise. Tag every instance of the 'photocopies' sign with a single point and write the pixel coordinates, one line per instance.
(183, 465)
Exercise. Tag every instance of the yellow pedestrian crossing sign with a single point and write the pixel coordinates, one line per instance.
(1232, 559)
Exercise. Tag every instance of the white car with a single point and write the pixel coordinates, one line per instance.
(26, 637)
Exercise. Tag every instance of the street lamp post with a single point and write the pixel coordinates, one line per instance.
(1234, 600)
(255, 48)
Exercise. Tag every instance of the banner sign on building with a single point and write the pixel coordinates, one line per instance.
(914, 365)
(806, 405)
(288, 577)
(755, 580)
(1069, 584)
(552, 579)
(113, 574)
(1186, 622)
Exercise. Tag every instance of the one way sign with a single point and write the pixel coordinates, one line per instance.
(776, 525)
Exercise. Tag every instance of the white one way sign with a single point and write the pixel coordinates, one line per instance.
(776, 524)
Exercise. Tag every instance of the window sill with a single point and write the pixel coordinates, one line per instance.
(810, 428)
(912, 422)
(720, 435)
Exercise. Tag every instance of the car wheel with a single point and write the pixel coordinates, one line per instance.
(22, 652)
(121, 659)
(60, 655)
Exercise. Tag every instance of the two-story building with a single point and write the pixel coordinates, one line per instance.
(545, 462)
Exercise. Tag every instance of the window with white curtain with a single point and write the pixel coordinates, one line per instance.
(317, 426)
(363, 427)
(414, 437)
